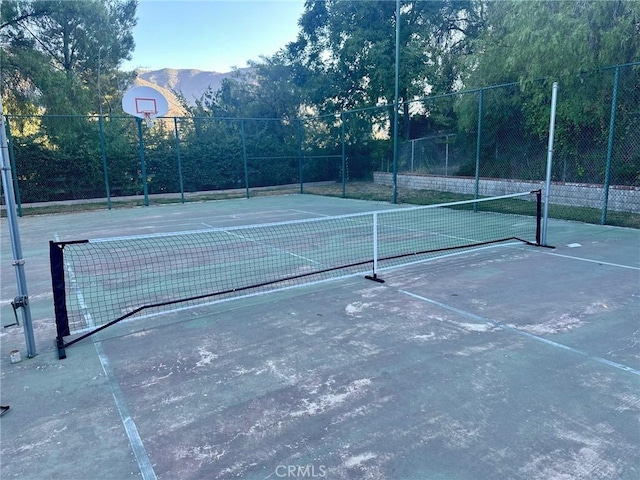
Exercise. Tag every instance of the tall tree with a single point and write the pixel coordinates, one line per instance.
(54, 50)
(522, 40)
(349, 49)
(572, 42)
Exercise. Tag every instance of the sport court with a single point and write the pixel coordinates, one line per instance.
(503, 362)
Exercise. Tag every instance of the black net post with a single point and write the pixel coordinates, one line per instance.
(56, 258)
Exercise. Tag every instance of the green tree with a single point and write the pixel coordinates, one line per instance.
(536, 43)
(54, 50)
(523, 41)
(61, 58)
(349, 50)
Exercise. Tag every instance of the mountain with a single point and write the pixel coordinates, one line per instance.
(192, 84)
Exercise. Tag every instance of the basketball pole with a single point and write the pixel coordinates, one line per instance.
(22, 300)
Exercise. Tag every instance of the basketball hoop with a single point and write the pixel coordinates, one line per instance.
(145, 103)
(148, 119)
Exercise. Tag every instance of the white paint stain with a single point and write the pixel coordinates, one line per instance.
(331, 400)
(564, 323)
(206, 357)
(477, 327)
(359, 459)
(356, 307)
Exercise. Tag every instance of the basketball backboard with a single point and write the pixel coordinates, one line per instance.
(145, 102)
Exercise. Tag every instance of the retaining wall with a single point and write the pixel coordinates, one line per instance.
(621, 198)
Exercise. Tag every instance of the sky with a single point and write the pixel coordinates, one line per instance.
(211, 35)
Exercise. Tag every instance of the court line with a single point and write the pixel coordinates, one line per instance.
(599, 262)
(500, 325)
(277, 249)
(309, 213)
(135, 441)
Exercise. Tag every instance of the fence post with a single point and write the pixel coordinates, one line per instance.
(395, 106)
(244, 158)
(344, 156)
(478, 146)
(14, 171)
(300, 160)
(103, 153)
(180, 179)
(612, 123)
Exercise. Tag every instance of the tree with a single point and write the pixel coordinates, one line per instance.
(572, 42)
(535, 43)
(349, 49)
(55, 49)
(524, 41)
(61, 58)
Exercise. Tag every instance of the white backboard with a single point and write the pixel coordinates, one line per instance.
(144, 102)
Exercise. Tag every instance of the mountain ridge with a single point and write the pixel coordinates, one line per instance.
(190, 83)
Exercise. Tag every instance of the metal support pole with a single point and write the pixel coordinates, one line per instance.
(22, 300)
(446, 156)
(244, 159)
(478, 146)
(103, 152)
(413, 151)
(395, 106)
(547, 186)
(180, 179)
(612, 124)
(300, 159)
(12, 162)
(143, 163)
(344, 156)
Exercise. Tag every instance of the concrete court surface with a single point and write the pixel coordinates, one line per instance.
(512, 362)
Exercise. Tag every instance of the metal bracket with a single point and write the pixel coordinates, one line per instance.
(20, 301)
(17, 262)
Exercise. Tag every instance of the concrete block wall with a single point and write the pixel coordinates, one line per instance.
(621, 198)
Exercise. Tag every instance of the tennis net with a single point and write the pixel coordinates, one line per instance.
(100, 282)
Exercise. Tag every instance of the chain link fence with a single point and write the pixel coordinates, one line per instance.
(481, 142)
(493, 141)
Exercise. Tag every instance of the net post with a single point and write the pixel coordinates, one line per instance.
(547, 184)
(56, 259)
(612, 127)
(374, 276)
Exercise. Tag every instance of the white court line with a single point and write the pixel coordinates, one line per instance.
(462, 251)
(142, 459)
(277, 249)
(501, 325)
(592, 261)
(310, 213)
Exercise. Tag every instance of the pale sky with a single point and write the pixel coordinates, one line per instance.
(212, 35)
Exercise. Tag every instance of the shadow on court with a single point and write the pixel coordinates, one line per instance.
(509, 362)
